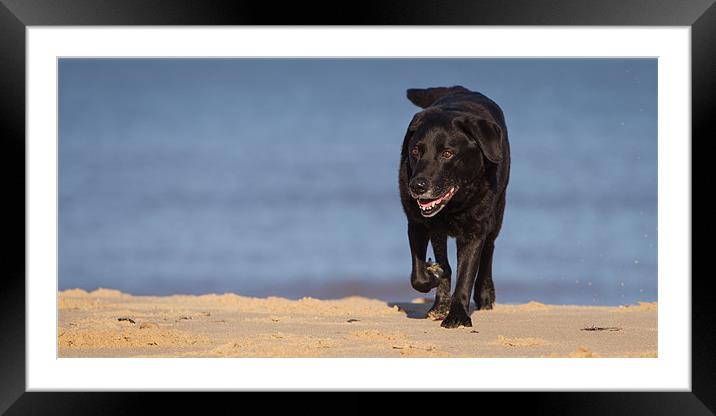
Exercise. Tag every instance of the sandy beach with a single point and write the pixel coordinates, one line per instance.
(108, 323)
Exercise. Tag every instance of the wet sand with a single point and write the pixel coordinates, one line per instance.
(108, 323)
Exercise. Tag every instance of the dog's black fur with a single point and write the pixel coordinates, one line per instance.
(459, 141)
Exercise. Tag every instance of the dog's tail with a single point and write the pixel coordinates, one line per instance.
(426, 97)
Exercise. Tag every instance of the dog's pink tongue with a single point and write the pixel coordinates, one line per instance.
(428, 202)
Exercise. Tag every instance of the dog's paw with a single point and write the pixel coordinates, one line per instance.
(423, 280)
(439, 311)
(434, 269)
(484, 303)
(456, 318)
(485, 298)
(484, 306)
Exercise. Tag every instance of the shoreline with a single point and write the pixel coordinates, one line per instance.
(109, 323)
(389, 290)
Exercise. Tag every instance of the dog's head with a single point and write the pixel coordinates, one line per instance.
(446, 150)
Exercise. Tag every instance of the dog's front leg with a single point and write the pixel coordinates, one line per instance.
(468, 261)
(421, 280)
(441, 307)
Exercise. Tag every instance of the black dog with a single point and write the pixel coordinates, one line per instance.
(454, 169)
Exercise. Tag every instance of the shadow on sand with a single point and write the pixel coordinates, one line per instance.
(418, 310)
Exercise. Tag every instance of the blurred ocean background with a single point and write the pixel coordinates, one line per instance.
(280, 176)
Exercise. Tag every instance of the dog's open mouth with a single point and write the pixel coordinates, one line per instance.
(430, 207)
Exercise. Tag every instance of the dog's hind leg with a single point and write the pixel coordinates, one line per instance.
(441, 307)
(485, 289)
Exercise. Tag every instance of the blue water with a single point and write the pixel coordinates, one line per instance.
(279, 177)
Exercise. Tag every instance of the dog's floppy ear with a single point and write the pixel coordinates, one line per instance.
(486, 133)
(425, 97)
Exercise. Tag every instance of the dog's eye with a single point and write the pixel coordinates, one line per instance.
(415, 152)
(447, 154)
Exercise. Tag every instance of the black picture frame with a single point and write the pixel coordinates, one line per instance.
(16, 15)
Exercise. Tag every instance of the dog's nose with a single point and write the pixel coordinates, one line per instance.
(419, 185)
